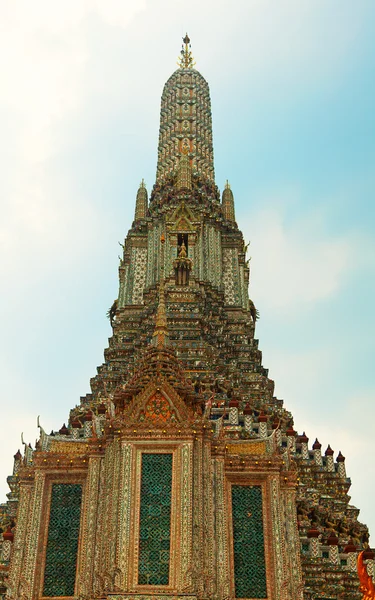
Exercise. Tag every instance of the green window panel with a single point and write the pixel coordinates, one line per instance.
(62, 542)
(155, 519)
(248, 542)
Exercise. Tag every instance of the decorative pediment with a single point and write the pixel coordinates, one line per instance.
(182, 219)
(158, 410)
(159, 406)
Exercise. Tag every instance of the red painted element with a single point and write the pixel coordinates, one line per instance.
(8, 535)
(64, 430)
(329, 451)
(313, 532)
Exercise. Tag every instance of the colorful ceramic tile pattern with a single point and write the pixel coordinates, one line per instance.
(182, 374)
(155, 519)
(62, 545)
(248, 542)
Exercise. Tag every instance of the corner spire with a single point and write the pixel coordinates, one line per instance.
(186, 60)
(228, 203)
(141, 203)
(161, 336)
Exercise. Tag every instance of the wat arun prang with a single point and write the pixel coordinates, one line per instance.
(181, 474)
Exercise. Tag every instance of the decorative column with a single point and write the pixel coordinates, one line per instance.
(248, 418)
(341, 465)
(292, 543)
(34, 517)
(317, 447)
(8, 538)
(208, 520)
(351, 552)
(291, 437)
(101, 531)
(107, 525)
(304, 440)
(76, 425)
(198, 539)
(262, 420)
(369, 556)
(113, 507)
(221, 530)
(89, 525)
(19, 553)
(329, 457)
(278, 437)
(184, 581)
(87, 425)
(123, 524)
(313, 535)
(333, 544)
(278, 534)
(233, 412)
(101, 411)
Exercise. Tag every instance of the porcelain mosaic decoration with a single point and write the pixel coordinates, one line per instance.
(180, 476)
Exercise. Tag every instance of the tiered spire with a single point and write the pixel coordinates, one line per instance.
(185, 121)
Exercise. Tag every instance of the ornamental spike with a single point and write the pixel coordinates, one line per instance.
(186, 60)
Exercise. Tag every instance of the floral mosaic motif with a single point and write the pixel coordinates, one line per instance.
(158, 409)
(228, 276)
(248, 542)
(62, 543)
(139, 260)
(155, 519)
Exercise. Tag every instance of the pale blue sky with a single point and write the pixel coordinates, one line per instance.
(292, 88)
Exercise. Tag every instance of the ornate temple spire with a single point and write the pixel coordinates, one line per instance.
(186, 60)
(141, 203)
(161, 336)
(228, 203)
(185, 121)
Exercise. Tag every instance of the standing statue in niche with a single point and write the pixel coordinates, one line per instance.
(182, 252)
(182, 266)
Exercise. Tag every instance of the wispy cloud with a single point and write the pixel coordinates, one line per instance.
(296, 262)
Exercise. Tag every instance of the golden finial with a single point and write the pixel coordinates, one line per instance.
(227, 185)
(186, 60)
(142, 184)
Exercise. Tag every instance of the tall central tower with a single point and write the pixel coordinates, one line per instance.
(180, 475)
(185, 121)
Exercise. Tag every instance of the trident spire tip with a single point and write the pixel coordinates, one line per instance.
(186, 60)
